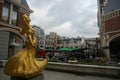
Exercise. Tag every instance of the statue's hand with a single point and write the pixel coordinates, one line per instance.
(34, 46)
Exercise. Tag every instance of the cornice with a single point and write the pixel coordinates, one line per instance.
(20, 5)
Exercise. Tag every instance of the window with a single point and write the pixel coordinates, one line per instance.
(9, 12)
(75, 42)
(14, 16)
(5, 12)
(14, 39)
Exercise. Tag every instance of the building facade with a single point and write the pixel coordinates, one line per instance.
(92, 42)
(109, 26)
(54, 42)
(70, 42)
(51, 41)
(39, 32)
(10, 22)
(79, 42)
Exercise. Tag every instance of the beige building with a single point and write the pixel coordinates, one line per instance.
(51, 41)
(70, 42)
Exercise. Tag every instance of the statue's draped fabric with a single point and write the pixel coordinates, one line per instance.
(24, 64)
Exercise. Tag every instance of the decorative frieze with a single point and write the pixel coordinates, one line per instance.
(105, 2)
(111, 15)
(24, 11)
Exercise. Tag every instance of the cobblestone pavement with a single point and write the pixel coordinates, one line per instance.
(53, 75)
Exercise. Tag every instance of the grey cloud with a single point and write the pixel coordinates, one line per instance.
(66, 11)
(78, 12)
(39, 3)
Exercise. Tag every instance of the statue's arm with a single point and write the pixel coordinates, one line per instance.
(21, 31)
(30, 37)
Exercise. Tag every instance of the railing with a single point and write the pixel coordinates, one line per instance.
(9, 26)
(111, 15)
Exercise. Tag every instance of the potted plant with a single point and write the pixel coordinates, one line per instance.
(72, 60)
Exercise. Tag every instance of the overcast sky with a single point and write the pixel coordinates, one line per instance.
(70, 18)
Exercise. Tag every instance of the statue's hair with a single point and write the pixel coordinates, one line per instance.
(25, 16)
(23, 31)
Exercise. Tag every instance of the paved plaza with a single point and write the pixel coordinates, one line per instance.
(53, 75)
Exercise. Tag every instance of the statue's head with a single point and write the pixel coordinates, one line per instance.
(26, 27)
(26, 19)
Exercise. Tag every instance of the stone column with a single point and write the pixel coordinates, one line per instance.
(38, 77)
(11, 9)
(107, 53)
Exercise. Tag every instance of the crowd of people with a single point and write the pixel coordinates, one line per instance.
(79, 56)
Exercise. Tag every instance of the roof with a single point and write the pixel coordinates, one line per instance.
(112, 5)
(24, 3)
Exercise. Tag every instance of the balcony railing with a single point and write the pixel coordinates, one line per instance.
(9, 26)
(111, 15)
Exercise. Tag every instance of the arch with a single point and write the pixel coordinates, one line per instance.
(13, 31)
(114, 47)
(113, 37)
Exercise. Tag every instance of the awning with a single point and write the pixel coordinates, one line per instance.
(67, 49)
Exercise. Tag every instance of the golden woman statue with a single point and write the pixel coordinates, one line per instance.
(24, 64)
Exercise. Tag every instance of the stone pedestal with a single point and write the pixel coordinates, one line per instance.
(38, 77)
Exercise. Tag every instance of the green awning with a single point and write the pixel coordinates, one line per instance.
(67, 49)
